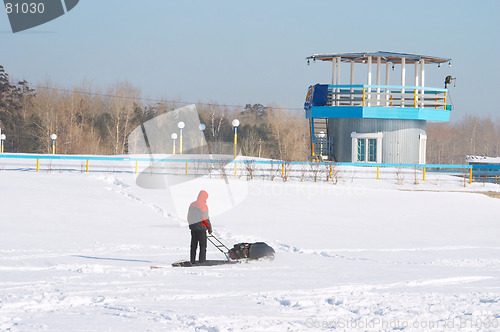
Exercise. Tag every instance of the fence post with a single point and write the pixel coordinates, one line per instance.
(136, 167)
(378, 172)
(470, 175)
(424, 174)
(37, 165)
(282, 170)
(87, 168)
(331, 172)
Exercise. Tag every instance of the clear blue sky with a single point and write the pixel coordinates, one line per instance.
(238, 52)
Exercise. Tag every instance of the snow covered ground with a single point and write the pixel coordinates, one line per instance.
(76, 251)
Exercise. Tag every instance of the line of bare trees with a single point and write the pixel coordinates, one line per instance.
(92, 121)
(449, 143)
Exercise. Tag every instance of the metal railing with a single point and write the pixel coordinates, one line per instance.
(387, 96)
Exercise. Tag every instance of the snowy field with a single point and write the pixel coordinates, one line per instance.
(76, 251)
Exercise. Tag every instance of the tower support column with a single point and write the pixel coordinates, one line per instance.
(369, 80)
(403, 79)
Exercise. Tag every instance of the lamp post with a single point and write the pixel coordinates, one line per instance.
(201, 127)
(2, 138)
(321, 135)
(180, 125)
(235, 124)
(174, 137)
(53, 137)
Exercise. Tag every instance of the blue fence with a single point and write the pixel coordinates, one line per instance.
(131, 163)
(216, 158)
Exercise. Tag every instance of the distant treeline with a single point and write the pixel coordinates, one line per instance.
(449, 143)
(89, 121)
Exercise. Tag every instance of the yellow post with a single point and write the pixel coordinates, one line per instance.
(378, 172)
(235, 169)
(186, 168)
(235, 143)
(312, 144)
(37, 165)
(363, 96)
(53, 147)
(136, 166)
(282, 170)
(424, 174)
(496, 178)
(470, 175)
(87, 169)
(445, 100)
(331, 172)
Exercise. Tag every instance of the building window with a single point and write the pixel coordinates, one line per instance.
(372, 149)
(367, 148)
(361, 150)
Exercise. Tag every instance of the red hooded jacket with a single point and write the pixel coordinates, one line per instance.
(198, 217)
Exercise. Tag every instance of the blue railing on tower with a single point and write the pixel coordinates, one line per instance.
(361, 95)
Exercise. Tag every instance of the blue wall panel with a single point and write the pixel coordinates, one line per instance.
(364, 112)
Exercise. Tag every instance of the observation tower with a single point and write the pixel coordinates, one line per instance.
(374, 123)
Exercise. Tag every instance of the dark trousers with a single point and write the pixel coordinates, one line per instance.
(201, 238)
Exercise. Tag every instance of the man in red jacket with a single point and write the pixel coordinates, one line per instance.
(199, 223)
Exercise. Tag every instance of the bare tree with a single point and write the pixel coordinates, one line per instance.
(250, 143)
(290, 134)
(46, 119)
(120, 109)
(250, 168)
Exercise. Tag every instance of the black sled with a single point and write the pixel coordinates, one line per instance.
(257, 250)
(239, 252)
